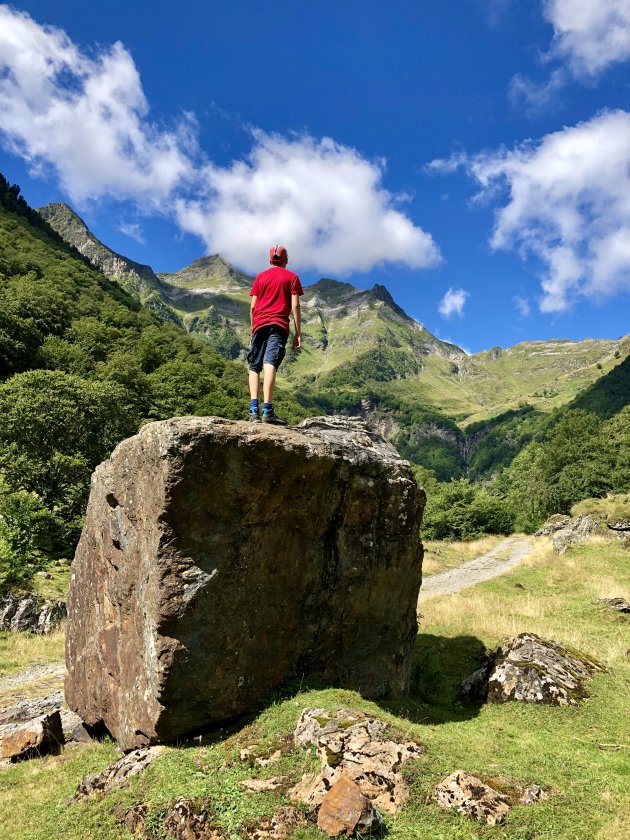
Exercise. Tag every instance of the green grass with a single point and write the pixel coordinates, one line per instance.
(17, 650)
(509, 745)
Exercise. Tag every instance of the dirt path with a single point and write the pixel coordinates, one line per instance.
(502, 558)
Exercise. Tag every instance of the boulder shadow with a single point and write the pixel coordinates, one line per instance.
(439, 665)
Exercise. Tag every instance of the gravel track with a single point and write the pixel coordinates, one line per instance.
(503, 557)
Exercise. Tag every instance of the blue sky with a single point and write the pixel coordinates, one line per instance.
(471, 155)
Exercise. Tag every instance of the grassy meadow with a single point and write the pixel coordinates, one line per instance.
(580, 756)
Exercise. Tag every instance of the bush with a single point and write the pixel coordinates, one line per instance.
(461, 510)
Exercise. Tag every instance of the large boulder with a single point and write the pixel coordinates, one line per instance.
(220, 560)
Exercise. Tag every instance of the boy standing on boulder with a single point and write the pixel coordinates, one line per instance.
(275, 295)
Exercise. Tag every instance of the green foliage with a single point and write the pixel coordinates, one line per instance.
(461, 510)
(28, 533)
(609, 394)
(580, 457)
(82, 366)
(382, 364)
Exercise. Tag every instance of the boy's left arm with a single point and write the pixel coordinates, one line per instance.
(297, 319)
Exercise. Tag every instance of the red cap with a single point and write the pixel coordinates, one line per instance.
(278, 254)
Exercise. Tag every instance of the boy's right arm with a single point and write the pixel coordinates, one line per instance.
(251, 310)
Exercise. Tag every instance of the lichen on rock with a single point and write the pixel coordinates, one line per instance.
(532, 670)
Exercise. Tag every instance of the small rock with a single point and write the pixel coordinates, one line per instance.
(346, 810)
(257, 785)
(352, 744)
(133, 819)
(532, 794)
(619, 604)
(468, 795)
(187, 821)
(271, 759)
(247, 753)
(116, 774)
(278, 827)
(518, 586)
(532, 670)
(34, 737)
(44, 575)
(555, 523)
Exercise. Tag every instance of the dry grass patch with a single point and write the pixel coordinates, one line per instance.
(548, 594)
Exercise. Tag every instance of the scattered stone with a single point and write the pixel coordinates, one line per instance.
(619, 604)
(271, 759)
(258, 785)
(533, 794)
(518, 586)
(116, 774)
(468, 795)
(248, 752)
(346, 810)
(280, 826)
(351, 744)
(34, 707)
(133, 819)
(532, 670)
(192, 600)
(30, 613)
(186, 820)
(44, 575)
(43, 734)
(577, 531)
(555, 523)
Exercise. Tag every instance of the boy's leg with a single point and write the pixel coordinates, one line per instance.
(269, 382)
(254, 383)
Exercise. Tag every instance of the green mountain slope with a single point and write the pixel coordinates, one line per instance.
(132, 276)
(362, 354)
(82, 365)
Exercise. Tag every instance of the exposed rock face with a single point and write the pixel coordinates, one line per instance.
(30, 613)
(577, 530)
(532, 670)
(116, 774)
(470, 796)
(351, 744)
(345, 810)
(220, 559)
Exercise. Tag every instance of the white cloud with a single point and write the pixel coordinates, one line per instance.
(88, 119)
(589, 34)
(322, 200)
(133, 231)
(537, 95)
(522, 304)
(453, 303)
(568, 204)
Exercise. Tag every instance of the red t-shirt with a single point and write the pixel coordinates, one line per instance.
(274, 288)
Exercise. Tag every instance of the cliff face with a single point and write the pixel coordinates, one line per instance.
(220, 560)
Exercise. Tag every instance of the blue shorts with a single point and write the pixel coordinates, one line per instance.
(267, 347)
